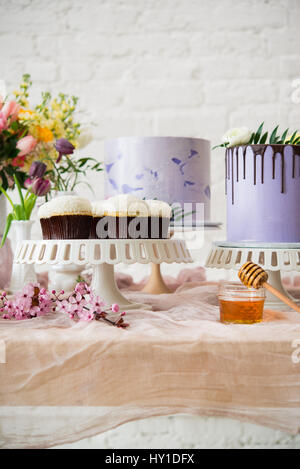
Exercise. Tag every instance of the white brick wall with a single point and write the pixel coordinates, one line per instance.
(160, 67)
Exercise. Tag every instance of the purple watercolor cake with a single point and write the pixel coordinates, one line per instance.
(263, 193)
(173, 169)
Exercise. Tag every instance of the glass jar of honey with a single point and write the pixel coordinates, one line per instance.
(240, 304)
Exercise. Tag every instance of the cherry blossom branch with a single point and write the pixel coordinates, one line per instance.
(81, 305)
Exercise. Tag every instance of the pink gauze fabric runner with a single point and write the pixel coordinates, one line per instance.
(64, 381)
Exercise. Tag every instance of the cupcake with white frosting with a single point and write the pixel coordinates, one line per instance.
(159, 218)
(98, 213)
(66, 217)
(128, 217)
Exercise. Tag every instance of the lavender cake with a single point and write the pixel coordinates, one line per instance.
(263, 193)
(173, 169)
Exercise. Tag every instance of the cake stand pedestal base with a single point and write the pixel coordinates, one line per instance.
(156, 284)
(104, 285)
(272, 302)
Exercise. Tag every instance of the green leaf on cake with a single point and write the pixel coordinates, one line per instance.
(273, 135)
(264, 138)
(251, 139)
(258, 134)
(293, 138)
(283, 137)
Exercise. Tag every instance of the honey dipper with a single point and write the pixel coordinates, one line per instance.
(252, 275)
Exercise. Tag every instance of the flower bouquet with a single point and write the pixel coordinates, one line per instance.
(37, 149)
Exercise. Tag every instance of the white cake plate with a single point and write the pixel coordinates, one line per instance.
(274, 258)
(102, 255)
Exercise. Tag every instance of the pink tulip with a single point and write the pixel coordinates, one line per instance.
(3, 122)
(26, 145)
(11, 110)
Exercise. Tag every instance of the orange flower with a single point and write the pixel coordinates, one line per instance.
(25, 111)
(44, 134)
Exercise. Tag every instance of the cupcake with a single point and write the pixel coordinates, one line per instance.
(66, 217)
(159, 218)
(98, 213)
(125, 217)
(128, 217)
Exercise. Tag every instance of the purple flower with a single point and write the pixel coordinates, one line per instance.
(40, 186)
(64, 147)
(28, 183)
(37, 169)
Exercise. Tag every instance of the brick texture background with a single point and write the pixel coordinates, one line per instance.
(160, 67)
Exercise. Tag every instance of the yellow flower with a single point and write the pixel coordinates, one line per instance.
(55, 105)
(44, 134)
(290, 136)
(26, 114)
(58, 129)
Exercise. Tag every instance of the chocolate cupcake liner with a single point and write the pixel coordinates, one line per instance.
(111, 227)
(66, 227)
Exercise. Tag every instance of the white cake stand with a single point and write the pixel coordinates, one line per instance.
(274, 258)
(102, 255)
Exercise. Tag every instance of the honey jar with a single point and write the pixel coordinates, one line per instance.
(240, 304)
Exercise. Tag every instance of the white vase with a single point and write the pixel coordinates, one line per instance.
(3, 213)
(6, 255)
(22, 274)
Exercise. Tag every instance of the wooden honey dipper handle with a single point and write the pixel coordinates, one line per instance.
(252, 275)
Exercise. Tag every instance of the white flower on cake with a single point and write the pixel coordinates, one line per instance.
(237, 136)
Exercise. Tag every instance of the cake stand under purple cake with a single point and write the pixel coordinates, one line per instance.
(173, 169)
(263, 223)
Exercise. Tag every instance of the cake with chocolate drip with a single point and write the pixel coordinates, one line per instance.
(66, 217)
(263, 193)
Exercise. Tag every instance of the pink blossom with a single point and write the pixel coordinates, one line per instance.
(96, 304)
(11, 110)
(64, 305)
(77, 299)
(23, 303)
(85, 314)
(26, 145)
(115, 308)
(75, 310)
(28, 290)
(31, 302)
(82, 288)
(3, 122)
